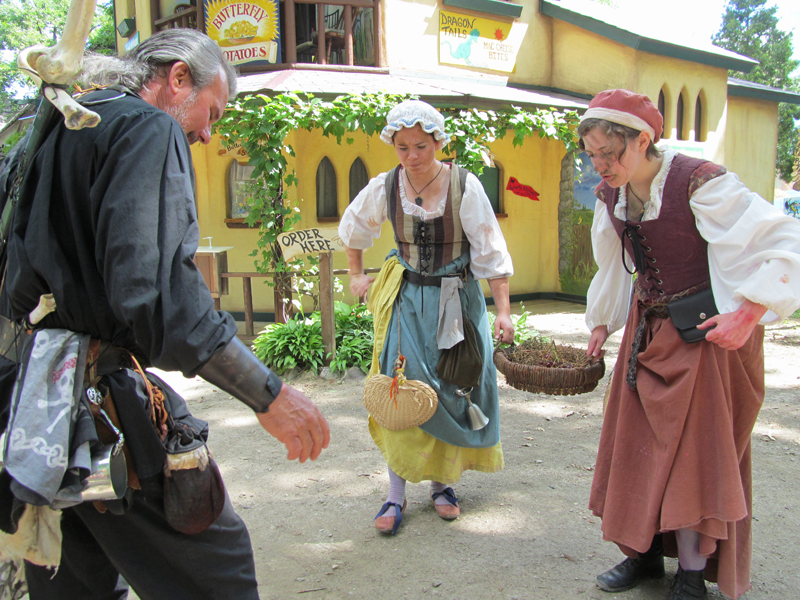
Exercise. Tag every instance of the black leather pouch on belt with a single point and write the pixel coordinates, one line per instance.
(194, 494)
(689, 311)
(167, 444)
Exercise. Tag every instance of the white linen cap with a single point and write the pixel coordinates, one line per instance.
(414, 112)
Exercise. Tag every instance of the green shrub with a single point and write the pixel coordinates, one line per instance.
(297, 343)
(354, 337)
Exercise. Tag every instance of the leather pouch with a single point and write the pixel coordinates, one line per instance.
(462, 364)
(689, 311)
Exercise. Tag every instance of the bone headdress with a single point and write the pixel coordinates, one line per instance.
(58, 65)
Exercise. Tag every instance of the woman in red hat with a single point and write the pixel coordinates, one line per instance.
(673, 472)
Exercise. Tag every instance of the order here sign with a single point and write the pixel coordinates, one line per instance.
(310, 241)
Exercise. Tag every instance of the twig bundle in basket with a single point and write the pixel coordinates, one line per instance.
(541, 366)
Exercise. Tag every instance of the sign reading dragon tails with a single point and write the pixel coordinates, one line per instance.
(470, 41)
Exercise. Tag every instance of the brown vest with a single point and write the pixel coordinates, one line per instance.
(673, 256)
(428, 245)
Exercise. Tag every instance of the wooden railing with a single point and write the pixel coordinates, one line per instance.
(326, 289)
(185, 17)
(322, 40)
(193, 17)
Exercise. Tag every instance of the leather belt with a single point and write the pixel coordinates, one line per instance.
(433, 280)
(105, 358)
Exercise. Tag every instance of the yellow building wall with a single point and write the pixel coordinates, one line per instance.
(683, 78)
(140, 10)
(587, 63)
(739, 133)
(751, 142)
(530, 228)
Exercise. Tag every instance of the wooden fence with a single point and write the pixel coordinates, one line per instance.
(326, 290)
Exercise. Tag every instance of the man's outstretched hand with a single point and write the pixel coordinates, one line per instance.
(296, 422)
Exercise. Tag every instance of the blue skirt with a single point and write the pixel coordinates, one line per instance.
(417, 308)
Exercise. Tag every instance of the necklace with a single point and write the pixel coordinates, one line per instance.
(630, 187)
(635, 205)
(418, 199)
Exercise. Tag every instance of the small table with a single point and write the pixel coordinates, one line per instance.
(212, 262)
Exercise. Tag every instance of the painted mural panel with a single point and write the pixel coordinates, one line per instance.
(468, 41)
(248, 31)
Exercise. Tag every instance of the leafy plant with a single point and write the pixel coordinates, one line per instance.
(296, 343)
(522, 329)
(354, 337)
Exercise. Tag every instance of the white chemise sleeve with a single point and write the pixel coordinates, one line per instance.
(753, 248)
(608, 298)
(361, 223)
(489, 257)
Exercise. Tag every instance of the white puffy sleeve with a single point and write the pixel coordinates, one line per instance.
(362, 220)
(753, 248)
(608, 298)
(489, 257)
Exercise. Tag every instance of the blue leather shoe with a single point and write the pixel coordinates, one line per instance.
(449, 511)
(390, 524)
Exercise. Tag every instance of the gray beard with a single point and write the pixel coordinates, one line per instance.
(181, 113)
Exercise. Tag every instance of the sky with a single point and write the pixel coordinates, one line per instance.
(702, 18)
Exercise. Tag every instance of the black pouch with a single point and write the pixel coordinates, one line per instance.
(688, 312)
(194, 494)
(462, 364)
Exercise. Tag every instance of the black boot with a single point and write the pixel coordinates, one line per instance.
(631, 571)
(687, 585)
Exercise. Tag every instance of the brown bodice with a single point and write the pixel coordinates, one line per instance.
(672, 255)
(428, 245)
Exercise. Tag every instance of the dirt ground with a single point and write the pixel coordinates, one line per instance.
(524, 533)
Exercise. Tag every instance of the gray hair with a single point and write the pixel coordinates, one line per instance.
(153, 58)
(615, 130)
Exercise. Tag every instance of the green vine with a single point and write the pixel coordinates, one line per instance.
(262, 123)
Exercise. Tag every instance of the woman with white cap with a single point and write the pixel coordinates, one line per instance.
(447, 238)
(673, 471)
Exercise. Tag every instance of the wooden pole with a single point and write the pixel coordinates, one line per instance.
(291, 31)
(321, 35)
(248, 306)
(377, 27)
(348, 35)
(326, 304)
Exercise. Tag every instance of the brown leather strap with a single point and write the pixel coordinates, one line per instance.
(158, 411)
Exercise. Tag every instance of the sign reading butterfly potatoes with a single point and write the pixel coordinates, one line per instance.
(248, 31)
(469, 41)
(310, 241)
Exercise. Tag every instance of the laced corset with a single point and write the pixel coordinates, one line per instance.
(428, 245)
(669, 254)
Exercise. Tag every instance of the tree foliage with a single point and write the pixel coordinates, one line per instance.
(750, 28)
(261, 124)
(25, 23)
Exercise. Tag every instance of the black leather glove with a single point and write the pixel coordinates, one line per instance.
(236, 370)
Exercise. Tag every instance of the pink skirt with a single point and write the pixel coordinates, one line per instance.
(675, 452)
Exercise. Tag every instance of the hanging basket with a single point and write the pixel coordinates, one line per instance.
(549, 380)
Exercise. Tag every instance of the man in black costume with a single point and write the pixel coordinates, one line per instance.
(107, 223)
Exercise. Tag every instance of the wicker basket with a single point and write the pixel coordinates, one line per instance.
(544, 380)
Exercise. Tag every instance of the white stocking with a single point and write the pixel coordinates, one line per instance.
(397, 493)
(689, 550)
